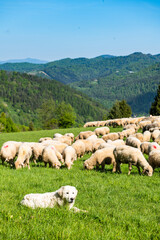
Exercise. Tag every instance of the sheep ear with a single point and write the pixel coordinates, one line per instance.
(60, 191)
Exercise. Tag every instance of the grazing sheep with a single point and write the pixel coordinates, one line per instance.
(97, 143)
(69, 156)
(84, 135)
(49, 156)
(92, 138)
(111, 136)
(57, 135)
(44, 139)
(105, 145)
(64, 139)
(144, 147)
(157, 140)
(116, 142)
(71, 135)
(133, 142)
(88, 145)
(102, 131)
(101, 157)
(79, 146)
(9, 151)
(139, 136)
(58, 145)
(132, 156)
(24, 154)
(146, 136)
(153, 146)
(154, 159)
(37, 149)
(155, 134)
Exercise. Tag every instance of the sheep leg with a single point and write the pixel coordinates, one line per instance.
(139, 170)
(130, 168)
(114, 167)
(103, 166)
(118, 168)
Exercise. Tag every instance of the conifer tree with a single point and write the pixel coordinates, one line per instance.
(155, 107)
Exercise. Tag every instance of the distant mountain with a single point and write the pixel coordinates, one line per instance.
(26, 60)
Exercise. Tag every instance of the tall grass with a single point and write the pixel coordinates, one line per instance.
(119, 206)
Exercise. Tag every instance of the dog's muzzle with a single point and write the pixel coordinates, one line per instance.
(71, 200)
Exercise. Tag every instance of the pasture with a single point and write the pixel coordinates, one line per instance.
(119, 206)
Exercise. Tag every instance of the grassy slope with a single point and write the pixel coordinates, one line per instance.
(119, 206)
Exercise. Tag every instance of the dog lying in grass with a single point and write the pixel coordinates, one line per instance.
(65, 196)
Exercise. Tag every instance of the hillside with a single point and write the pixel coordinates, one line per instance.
(105, 78)
(138, 88)
(22, 94)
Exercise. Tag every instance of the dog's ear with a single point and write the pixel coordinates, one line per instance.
(60, 191)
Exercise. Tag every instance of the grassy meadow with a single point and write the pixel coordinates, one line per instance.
(119, 206)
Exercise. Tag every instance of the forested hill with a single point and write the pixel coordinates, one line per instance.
(22, 94)
(134, 78)
(137, 88)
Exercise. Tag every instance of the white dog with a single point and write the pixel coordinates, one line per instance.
(65, 196)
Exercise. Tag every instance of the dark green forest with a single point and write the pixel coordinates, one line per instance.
(105, 79)
(22, 96)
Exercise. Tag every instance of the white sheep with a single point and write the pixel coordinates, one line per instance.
(84, 135)
(132, 156)
(97, 144)
(9, 151)
(153, 146)
(102, 131)
(44, 139)
(100, 158)
(155, 134)
(146, 136)
(154, 159)
(111, 136)
(49, 156)
(116, 142)
(71, 135)
(79, 146)
(69, 156)
(133, 142)
(144, 147)
(24, 154)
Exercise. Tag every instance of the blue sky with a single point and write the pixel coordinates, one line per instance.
(56, 29)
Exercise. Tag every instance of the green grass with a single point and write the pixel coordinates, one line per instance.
(119, 206)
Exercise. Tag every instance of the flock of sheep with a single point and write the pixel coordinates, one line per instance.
(109, 149)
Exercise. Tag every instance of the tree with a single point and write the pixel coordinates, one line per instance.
(47, 114)
(65, 115)
(120, 109)
(155, 107)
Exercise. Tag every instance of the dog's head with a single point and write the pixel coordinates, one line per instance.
(68, 193)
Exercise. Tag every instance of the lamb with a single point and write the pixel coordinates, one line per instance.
(84, 135)
(79, 146)
(69, 156)
(133, 142)
(24, 154)
(131, 155)
(101, 157)
(154, 159)
(111, 136)
(49, 156)
(102, 131)
(9, 151)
